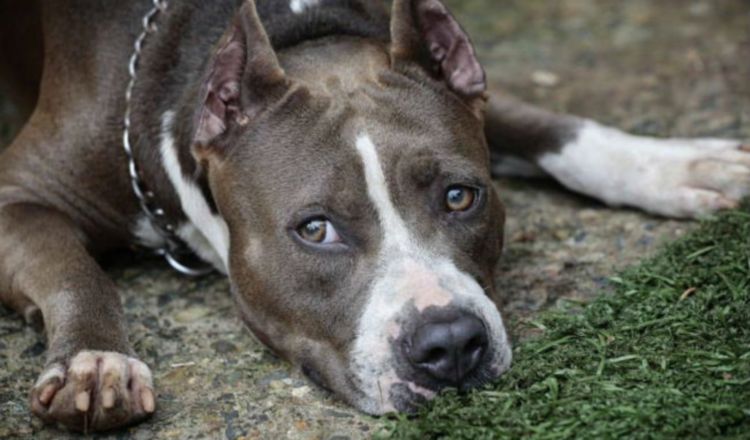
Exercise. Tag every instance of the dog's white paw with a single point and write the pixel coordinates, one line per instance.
(685, 178)
(96, 391)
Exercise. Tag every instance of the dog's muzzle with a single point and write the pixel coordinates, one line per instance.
(427, 326)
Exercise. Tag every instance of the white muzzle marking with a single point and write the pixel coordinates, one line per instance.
(408, 274)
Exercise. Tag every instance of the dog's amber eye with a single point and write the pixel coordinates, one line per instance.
(319, 231)
(460, 198)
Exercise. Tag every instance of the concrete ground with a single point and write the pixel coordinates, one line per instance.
(666, 67)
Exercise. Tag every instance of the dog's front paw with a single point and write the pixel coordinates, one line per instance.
(96, 391)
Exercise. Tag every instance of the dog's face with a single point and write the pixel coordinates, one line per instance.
(364, 226)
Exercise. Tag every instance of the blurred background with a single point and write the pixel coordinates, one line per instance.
(656, 67)
(651, 66)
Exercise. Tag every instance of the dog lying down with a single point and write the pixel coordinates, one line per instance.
(331, 157)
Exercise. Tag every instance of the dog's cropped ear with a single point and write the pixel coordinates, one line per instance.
(425, 32)
(243, 77)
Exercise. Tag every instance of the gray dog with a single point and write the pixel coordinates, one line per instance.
(331, 157)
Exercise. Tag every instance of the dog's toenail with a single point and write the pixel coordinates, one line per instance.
(147, 398)
(47, 394)
(82, 401)
(108, 398)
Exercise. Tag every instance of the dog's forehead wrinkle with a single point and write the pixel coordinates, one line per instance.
(339, 65)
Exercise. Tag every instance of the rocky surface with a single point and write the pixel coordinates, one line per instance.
(661, 68)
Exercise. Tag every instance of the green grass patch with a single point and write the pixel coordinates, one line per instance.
(666, 354)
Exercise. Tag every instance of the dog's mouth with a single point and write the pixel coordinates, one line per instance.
(402, 384)
(428, 326)
(439, 349)
(404, 388)
(406, 400)
(406, 361)
(422, 326)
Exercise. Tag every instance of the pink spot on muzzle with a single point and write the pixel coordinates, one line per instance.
(422, 285)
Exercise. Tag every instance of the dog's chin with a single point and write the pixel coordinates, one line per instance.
(402, 400)
(406, 401)
(408, 396)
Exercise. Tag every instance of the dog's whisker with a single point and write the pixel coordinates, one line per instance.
(380, 391)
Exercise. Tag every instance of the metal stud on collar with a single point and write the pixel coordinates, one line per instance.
(175, 251)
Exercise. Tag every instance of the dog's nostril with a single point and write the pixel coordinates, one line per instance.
(475, 344)
(448, 351)
(435, 355)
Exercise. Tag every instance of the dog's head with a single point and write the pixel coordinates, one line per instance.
(364, 228)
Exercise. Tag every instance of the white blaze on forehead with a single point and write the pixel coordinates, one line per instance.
(395, 232)
(407, 274)
(299, 6)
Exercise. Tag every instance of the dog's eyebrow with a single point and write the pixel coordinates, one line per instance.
(425, 168)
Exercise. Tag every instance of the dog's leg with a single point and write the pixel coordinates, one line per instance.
(672, 177)
(91, 379)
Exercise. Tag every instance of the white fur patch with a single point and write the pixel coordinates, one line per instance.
(254, 250)
(299, 6)
(673, 177)
(408, 273)
(207, 234)
(147, 235)
(203, 248)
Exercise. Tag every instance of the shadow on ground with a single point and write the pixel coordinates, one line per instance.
(663, 68)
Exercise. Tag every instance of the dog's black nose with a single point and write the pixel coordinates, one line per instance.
(448, 351)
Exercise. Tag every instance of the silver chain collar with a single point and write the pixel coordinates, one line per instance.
(175, 251)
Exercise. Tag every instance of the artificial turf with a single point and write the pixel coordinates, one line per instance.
(664, 354)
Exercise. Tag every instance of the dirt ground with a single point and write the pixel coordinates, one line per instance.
(665, 67)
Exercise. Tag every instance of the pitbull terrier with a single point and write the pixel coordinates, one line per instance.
(332, 157)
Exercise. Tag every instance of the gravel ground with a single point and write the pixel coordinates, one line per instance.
(664, 67)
